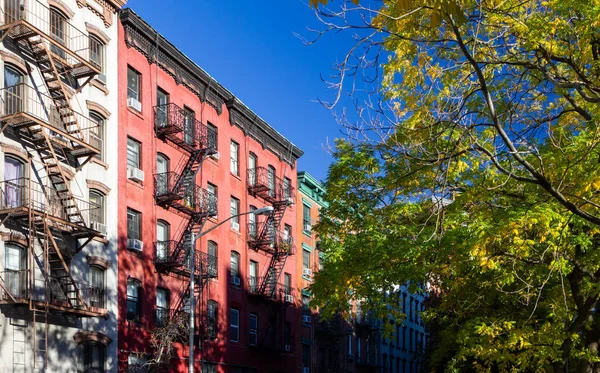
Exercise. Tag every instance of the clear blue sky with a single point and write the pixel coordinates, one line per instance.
(250, 48)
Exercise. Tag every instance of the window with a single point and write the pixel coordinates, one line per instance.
(211, 313)
(235, 210)
(306, 218)
(287, 234)
(189, 122)
(97, 134)
(162, 175)
(58, 28)
(252, 223)
(305, 305)
(97, 53)
(14, 91)
(410, 309)
(271, 181)
(162, 240)
(349, 344)
(133, 300)
(90, 357)
(253, 276)
(212, 259)
(162, 306)
(97, 200)
(209, 368)
(235, 264)
(320, 263)
(133, 224)
(252, 161)
(305, 259)
(234, 325)
(358, 348)
(287, 284)
(253, 329)
(133, 84)
(287, 188)
(213, 137)
(417, 311)
(212, 189)
(137, 363)
(234, 155)
(15, 266)
(96, 287)
(162, 108)
(306, 356)
(404, 344)
(410, 339)
(133, 153)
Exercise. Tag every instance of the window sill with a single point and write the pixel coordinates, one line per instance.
(307, 233)
(307, 278)
(135, 112)
(235, 176)
(139, 185)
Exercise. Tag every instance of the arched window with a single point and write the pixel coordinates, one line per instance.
(90, 357)
(97, 133)
(133, 299)
(97, 56)
(162, 240)
(271, 180)
(235, 265)
(212, 259)
(212, 313)
(14, 174)
(14, 89)
(162, 174)
(15, 266)
(58, 30)
(252, 231)
(97, 208)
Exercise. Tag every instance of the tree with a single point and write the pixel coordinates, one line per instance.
(471, 165)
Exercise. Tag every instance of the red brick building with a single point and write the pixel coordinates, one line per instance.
(196, 155)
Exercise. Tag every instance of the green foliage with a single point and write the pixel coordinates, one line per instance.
(495, 110)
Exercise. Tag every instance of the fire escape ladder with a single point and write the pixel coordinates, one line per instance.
(189, 168)
(279, 257)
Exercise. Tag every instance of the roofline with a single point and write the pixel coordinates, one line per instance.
(157, 49)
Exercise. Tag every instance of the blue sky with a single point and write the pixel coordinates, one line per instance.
(249, 47)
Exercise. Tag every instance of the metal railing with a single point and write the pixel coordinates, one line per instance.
(263, 182)
(21, 99)
(39, 18)
(180, 127)
(23, 193)
(188, 197)
(17, 284)
(280, 292)
(175, 256)
(279, 241)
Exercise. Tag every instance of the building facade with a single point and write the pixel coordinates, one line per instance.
(195, 157)
(58, 249)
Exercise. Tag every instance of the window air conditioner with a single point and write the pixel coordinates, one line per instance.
(235, 226)
(307, 272)
(134, 104)
(99, 227)
(307, 227)
(215, 156)
(235, 280)
(135, 174)
(134, 244)
(288, 348)
(306, 319)
(101, 78)
(289, 298)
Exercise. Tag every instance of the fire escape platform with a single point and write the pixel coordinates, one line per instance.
(92, 312)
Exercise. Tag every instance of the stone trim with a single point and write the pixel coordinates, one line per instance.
(93, 184)
(98, 262)
(92, 336)
(14, 237)
(105, 9)
(96, 84)
(16, 151)
(58, 4)
(14, 60)
(94, 106)
(97, 32)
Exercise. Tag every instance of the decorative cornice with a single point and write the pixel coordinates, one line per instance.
(14, 60)
(58, 4)
(311, 187)
(96, 31)
(93, 184)
(98, 262)
(94, 106)
(142, 37)
(15, 150)
(14, 237)
(92, 336)
(105, 9)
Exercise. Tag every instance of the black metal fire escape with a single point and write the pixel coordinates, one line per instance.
(177, 191)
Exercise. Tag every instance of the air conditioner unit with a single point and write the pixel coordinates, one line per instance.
(289, 298)
(215, 156)
(288, 348)
(235, 281)
(306, 272)
(305, 370)
(307, 227)
(134, 244)
(135, 174)
(102, 228)
(235, 226)
(101, 78)
(289, 200)
(134, 104)
(306, 319)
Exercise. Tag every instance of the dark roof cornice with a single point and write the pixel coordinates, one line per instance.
(157, 49)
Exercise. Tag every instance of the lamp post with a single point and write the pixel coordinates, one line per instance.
(266, 210)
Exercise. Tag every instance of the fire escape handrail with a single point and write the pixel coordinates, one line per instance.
(189, 133)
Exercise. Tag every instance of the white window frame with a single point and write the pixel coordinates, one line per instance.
(234, 155)
(233, 326)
